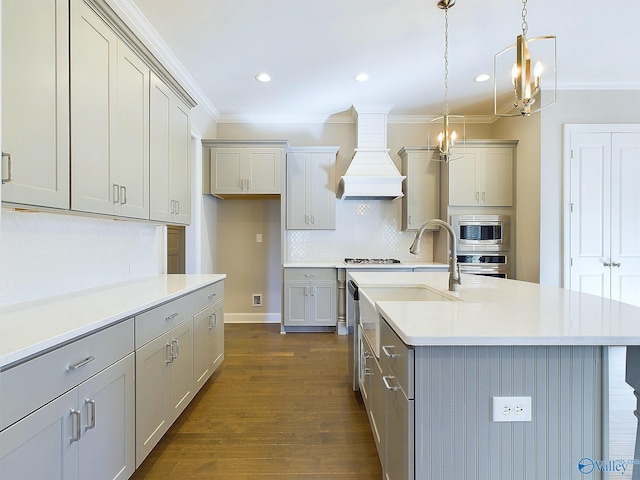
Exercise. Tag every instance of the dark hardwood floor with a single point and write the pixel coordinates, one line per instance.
(279, 407)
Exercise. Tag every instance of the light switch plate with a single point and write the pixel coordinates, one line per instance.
(511, 409)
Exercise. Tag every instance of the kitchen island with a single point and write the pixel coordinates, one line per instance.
(442, 362)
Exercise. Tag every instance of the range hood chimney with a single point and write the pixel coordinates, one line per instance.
(372, 173)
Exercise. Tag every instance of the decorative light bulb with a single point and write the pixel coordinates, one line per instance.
(537, 73)
(454, 136)
(515, 73)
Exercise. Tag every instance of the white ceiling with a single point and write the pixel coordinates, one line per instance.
(313, 48)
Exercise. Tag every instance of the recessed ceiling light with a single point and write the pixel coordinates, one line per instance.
(263, 77)
(362, 77)
(483, 77)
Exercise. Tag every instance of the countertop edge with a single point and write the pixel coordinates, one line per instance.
(117, 314)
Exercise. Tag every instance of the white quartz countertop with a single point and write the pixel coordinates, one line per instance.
(32, 327)
(493, 311)
(362, 266)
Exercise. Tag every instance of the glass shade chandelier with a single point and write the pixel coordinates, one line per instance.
(448, 139)
(526, 83)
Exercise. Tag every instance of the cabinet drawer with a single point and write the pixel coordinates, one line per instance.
(396, 357)
(207, 296)
(310, 275)
(156, 321)
(38, 381)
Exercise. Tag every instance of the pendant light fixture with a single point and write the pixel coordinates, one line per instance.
(526, 83)
(448, 139)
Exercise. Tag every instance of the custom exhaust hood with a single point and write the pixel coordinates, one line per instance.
(372, 173)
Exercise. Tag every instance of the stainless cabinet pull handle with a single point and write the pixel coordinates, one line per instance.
(309, 275)
(211, 295)
(211, 321)
(313, 219)
(172, 316)
(116, 193)
(91, 413)
(177, 350)
(177, 207)
(386, 348)
(82, 363)
(123, 194)
(607, 264)
(168, 351)
(248, 184)
(215, 319)
(306, 219)
(385, 379)
(477, 196)
(306, 291)
(313, 291)
(76, 428)
(484, 196)
(9, 168)
(368, 372)
(615, 264)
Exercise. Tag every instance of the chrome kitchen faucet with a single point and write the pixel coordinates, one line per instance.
(454, 268)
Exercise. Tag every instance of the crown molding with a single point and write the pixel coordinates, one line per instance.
(342, 117)
(131, 16)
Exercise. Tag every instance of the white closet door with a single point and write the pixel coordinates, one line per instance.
(625, 218)
(590, 216)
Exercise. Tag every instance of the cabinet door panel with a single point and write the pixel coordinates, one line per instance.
(202, 322)
(131, 136)
(38, 447)
(181, 182)
(151, 395)
(400, 444)
(217, 337)
(422, 188)
(463, 190)
(181, 369)
(295, 298)
(93, 60)
(497, 178)
(262, 168)
(297, 217)
(36, 105)
(107, 450)
(323, 298)
(227, 174)
(321, 196)
(159, 151)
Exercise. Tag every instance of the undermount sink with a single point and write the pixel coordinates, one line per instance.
(404, 293)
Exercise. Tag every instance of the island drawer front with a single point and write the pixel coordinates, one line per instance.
(153, 323)
(207, 296)
(310, 275)
(38, 381)
(398, 357)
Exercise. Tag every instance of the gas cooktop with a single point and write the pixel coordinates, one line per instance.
(373, 261)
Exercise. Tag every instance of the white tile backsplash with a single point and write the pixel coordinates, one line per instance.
(46, 254)
(364, 229)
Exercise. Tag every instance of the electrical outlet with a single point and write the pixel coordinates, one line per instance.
(258, 237)
(511, 409)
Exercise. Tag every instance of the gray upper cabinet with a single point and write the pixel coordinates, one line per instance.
(35, 107)
(246, 167)
(311, 197)
(421, 201)
(109, 120)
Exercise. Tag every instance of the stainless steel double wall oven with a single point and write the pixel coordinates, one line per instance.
(483, 244)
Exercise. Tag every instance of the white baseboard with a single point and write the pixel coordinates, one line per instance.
(251, 317)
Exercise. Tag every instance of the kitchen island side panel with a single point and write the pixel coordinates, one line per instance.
(456, 437)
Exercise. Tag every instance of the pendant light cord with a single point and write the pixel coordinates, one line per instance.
(525, 25)
(446, 60)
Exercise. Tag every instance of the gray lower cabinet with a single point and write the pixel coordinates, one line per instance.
(310, 297)
(208, 342)
(178, 346)
(387, 385)
(87, 431)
